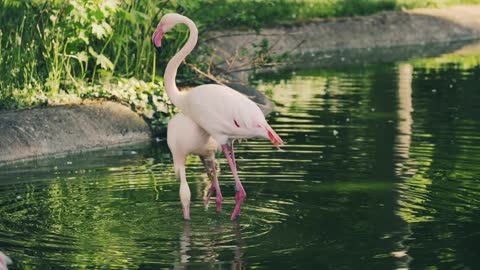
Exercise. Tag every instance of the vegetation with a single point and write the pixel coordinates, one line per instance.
(56, 51)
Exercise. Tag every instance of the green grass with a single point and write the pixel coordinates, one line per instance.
(52, 50)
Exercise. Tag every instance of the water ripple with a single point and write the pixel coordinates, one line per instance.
(378, 170)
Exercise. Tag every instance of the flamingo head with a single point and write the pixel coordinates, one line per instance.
(185, 199)
(166, 24)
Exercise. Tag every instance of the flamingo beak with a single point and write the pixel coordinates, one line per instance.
(186, 212)
(157, 39)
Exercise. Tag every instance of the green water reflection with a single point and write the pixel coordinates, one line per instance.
(380, 171)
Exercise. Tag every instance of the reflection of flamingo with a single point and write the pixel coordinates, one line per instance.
(221, 111)
(210, 252)
(4, 260)
(184, 137)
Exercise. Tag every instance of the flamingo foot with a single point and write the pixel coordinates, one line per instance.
(209, 195)
(218, 201)
(239, 198)
(218, 198)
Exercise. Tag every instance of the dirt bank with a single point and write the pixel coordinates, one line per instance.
(320, 41)
(60, 129)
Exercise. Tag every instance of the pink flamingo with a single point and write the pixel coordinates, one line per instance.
(4, 260)
(185, 137)
(222, 112)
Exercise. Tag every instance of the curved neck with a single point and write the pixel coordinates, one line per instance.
(171, 71)
(179, 166)
(182, 175)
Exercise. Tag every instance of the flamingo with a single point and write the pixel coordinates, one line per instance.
(222, 112)
(4, 260)
(185, 137)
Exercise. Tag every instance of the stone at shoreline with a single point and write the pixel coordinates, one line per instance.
(51, 130)
(317, 43)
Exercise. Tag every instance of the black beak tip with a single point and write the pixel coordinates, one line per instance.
(159, 49)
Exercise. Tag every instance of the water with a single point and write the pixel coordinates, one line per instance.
(380, 171)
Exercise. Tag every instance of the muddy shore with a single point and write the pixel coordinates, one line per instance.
(341, 41)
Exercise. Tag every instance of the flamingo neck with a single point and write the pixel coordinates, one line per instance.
(171, 71)
(179, 167)
(184, 189)
(181, 174)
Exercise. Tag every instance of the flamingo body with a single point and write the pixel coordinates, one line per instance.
(185, 137)
(225, 113)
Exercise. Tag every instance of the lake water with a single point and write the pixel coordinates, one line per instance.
(381, 170)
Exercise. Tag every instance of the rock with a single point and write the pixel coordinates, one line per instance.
(68, 128)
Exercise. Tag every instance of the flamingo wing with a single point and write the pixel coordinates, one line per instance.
(226, 114)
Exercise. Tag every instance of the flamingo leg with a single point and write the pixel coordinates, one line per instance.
(204, 162)
(232, 153)
(239, 190)
(215, 186)
(211, 190)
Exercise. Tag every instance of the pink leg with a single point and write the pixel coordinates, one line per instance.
(239, 190)
(233, 154)
(215, 187)
(212, 186)
(205, 165)
(212, 189)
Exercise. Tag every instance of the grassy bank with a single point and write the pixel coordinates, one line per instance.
(58, 51)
